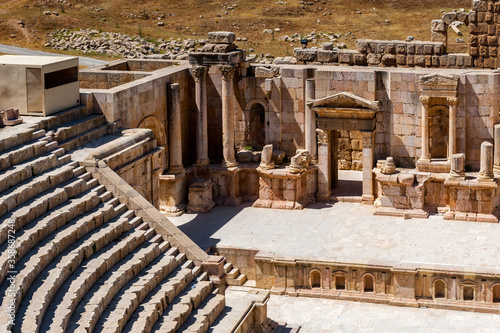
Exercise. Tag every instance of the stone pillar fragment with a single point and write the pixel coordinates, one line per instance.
(496, 138)
(324, 165)
(452, 145)
(425, 128)
(199, 74)
(228, 116)
(310, 121)
(368, 196)
(486, 171)
(266, 156)
(295, 164)
(457, 167)
(174, 131)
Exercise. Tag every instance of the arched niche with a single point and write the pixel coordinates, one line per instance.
(440, 289)
(256, 130)
(315, 278)
(154, 124)
(368, 283)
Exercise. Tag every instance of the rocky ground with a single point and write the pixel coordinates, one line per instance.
(91, 41)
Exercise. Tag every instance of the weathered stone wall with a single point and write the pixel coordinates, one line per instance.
(143, 104)
(484, 21)
(388, 54)
(398, 132)
(350, 150)
(378, 282)
(107, 80)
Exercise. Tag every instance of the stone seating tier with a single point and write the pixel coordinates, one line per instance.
(85, 261)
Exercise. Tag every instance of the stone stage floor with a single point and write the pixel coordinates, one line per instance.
(347, 232)
(332, 316)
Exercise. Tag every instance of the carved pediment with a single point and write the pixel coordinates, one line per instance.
(344, 100)
(439, 79)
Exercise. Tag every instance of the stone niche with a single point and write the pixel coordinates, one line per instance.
(438, 97)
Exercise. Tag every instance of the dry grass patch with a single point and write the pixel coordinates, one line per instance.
(247, 19)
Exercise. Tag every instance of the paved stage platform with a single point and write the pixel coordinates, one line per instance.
(347, 232)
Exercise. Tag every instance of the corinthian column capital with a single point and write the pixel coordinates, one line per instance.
(227, 72)
(452, 101)
(425, 100)
(199, 72)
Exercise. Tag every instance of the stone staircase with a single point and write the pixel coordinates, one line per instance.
(272, 326)
(234, 277)
(72, 257)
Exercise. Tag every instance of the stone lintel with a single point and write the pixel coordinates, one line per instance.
(209, 59)
(367, 125)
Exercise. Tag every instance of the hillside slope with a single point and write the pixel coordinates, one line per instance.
(26, 23)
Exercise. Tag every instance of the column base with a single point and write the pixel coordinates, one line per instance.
(200, 196)
(229, 164)
(202, 162)
(176, 170)
(368, 199)
(173, 193)
(496, 169)
(174, 211)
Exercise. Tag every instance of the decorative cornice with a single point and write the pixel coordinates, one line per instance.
(438, 79)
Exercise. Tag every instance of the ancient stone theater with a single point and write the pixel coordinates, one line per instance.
(94, 162)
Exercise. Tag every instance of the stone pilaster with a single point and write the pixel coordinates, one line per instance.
(496, 138)
(199, 74)
(368, 196)
(310, 121)
(228, 116)
(425, 128)
(452, 145)
(486, 171)
(174, 131)
(324, 165)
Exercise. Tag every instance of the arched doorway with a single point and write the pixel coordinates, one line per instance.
(257, 129)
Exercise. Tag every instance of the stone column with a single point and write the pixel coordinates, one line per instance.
(199, 74)
(496, 138)
(486, 171)
(324, 165)
(425, 128)
(310, 121)
(174, 131)
(228, 116)
(368, 196)
(452, 132)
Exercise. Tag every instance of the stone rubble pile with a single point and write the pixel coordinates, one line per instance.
(115, 44)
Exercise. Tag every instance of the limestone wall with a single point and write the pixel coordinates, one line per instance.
(143, 104)
(350, 150)
(445, 287)
(483, 35)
